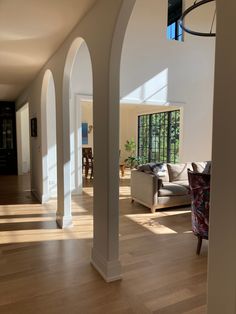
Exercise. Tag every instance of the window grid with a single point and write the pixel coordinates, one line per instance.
(158, 137)
(175, 32)
(175, 10)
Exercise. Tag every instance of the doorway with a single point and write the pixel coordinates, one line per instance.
(8, 155)
(23, 140)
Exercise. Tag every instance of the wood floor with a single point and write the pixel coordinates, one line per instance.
(47, 270)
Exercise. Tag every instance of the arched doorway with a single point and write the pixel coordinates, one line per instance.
(48, 138)
(23, 140)
(81, 115)
(78, 90)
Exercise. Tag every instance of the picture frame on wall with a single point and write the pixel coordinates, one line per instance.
(33, 127)
(84, 133)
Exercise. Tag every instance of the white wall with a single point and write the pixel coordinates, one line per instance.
(23, 140)
(171, 71)
(51, 138)
(81, 74)
(162, 71)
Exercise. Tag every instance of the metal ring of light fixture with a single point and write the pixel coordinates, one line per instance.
(190, 9)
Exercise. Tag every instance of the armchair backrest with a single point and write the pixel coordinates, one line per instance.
(199, 184)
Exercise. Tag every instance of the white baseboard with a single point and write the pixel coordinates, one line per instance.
(109, 270)
(77, 191)
(64, 222)
(45, 198)
(37, 195)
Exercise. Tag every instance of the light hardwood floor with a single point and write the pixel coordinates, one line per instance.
(47, 270)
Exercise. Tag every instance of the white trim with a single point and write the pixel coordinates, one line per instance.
(44, 198)
(64, 222)
(109, 270)
(37, 195)
(78, 191)
(84, 97)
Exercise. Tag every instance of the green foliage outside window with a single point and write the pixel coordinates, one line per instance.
(158, 137)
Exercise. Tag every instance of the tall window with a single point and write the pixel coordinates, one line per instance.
(174, 30)
(158, 137)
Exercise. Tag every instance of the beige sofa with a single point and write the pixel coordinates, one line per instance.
(167, 188)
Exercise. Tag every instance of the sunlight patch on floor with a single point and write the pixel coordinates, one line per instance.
(39, 236)
(88, 191)
(124, 192)
(150, 224)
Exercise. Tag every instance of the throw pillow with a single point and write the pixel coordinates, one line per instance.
(159, 169)
(178, 172)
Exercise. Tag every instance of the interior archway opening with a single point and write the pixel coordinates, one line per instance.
(48, 138)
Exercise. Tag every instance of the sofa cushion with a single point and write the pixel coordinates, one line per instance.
(183, 183)
(178, 172)
(172, 189)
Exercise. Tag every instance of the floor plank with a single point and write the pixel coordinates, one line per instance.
(47, 270)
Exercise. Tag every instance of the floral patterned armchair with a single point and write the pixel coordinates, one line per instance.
(199, 184)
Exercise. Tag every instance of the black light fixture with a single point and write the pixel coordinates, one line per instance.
(196, 5)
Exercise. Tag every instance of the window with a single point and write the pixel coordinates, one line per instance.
(84, 133)
(174, 30)
(158, 137)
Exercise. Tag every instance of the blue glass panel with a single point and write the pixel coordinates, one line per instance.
(84, 133)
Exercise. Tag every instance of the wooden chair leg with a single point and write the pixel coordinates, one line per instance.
(86, 171)
(91, 174)
(122, 170)
(199, 245)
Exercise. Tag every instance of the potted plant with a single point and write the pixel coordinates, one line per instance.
(130, 146)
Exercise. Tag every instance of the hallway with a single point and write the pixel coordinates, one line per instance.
(47, 270)
(15, 190)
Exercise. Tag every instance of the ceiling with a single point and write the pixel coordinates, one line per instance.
(30, 32)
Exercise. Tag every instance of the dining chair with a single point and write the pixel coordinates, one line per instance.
(87, 161)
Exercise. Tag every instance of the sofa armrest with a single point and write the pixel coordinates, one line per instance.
(144, 187)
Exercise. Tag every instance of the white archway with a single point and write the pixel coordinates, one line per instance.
(105, 54)
(48, 138)
(72, 142)
(23, 140)
(73, 97)
(81, 114)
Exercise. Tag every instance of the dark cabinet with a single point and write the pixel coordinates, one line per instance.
(8, 153)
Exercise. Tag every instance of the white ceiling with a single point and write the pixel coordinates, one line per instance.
(30, 32)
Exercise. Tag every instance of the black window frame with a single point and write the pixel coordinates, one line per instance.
(159, 136)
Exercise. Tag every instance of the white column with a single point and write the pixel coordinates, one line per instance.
(105, 252)
(222, 246)
(63, 216)
(72, 142)
(78, 146)
(106, 92)
(44, 151)
(19, 142)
